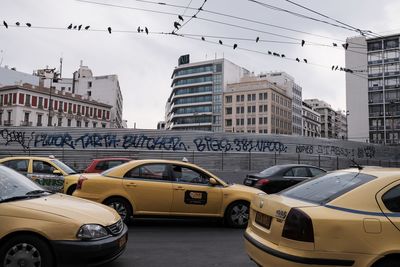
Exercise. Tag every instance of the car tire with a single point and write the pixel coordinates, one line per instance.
(122, 206)
(28, 249)
(71, 189)
(237, 214)
(389, 262)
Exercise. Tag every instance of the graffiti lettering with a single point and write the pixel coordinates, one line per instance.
(308, 149)
(17, 137)
(57, 140)
(152, 143)
(238, 145)
(366, 152)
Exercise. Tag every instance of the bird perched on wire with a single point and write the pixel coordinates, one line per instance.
(146, 30)
(333, 66)
(180, 18)
(87, 27)
(282, 55)
(303, 42)
(109, 30)
(336, 67)
(5, 24)
(297, 59)
(28, 24)
(276, 54)
(334, 44)
(345, 46)
(177, 25)
(17, 23)
(269, 53)
(234, 46)
(257, 39)
(220, 42)
(202, 38)
(69, 27)
(305, 60)
(79, 27)
(75, 27)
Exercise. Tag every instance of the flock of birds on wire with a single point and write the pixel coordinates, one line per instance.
(178, 25)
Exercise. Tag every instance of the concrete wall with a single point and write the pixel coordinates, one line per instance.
(223, 153)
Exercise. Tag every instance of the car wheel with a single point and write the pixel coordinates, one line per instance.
(71, 189)
(237, 214)
(26, 250)
(122, 206)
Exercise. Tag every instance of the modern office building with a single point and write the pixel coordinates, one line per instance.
(373, 89)
(37, 106)
(256, 105)
(311, 122)
(294, 91)
(195, 102)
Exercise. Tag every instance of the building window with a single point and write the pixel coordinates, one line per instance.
(103, 125)
(79, 124)
(86, 124)
(228, 111)
(50, 122)
(69, 122)
(59, 123)
(228, 99)
(94, 124)
(253, 97)
(89, 84)
(39, 120)
(228, 122)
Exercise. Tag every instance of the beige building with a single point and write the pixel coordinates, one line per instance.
(311, 122)
(255, 105)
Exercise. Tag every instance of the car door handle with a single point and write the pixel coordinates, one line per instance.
(131, 185)
(179, 188)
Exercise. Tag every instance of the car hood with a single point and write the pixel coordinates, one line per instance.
(244, 188)
(58, 207)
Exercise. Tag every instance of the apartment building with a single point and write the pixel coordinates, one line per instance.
(311, 121)
(256, 105)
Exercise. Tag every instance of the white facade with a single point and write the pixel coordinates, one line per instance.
(294, 91)
(311, 122)
(35, 106)
(357, 90)
(104, 89)
(327, 117)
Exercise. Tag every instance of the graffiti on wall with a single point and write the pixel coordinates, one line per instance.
(206, 143)
(330, 150)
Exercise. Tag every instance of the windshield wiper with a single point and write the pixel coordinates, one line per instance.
(38, 192)
(18, 198)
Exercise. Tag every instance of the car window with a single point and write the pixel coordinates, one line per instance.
(113, 163)
(271, 170)
(327, 187)
(187, 175)
(391, 199)
(289, 173)
(42, 167)
(20, 165)
(149, 171)
(101, 165)
(300, 172)
(315, 171)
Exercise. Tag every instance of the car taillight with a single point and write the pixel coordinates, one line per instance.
(80, 182)
(298, 226)
(262, 182)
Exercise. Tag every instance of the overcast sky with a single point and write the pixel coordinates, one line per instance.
(144, 63)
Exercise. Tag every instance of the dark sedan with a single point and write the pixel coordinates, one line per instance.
(279, 177)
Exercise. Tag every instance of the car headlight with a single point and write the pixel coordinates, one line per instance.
(92, 231)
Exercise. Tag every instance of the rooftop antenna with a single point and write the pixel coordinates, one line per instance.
(61, 61)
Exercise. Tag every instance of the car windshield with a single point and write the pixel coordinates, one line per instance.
(15, 186)
(325, 188)
(64, 166)
(271, 170)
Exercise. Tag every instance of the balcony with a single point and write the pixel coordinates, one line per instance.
(389, 60)
(392, 73)
(375, 88)
(8, 123)
(26, 123)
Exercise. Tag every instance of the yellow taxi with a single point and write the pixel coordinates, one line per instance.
(43, 228)
(167, 188)
(344, 218)
(49, 172)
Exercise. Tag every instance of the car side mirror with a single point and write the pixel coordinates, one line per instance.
(57, 172)
(213, 182)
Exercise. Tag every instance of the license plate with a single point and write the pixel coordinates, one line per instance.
(263, 220)
(122, 241)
